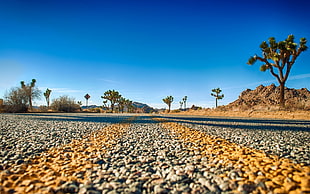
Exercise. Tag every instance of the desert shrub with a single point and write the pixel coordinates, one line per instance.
(15, 101)
(196, 107)
(1, 106)
(65, 104)
(96, 110)
(221, 108)
(175, 111)
(108, 111)
(43, 109)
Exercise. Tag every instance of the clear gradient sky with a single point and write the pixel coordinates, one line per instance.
(146, 49)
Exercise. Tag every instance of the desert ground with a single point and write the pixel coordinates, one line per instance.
(299, 115)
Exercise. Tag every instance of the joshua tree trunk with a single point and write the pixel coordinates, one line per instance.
(30, 102)
(282, 102)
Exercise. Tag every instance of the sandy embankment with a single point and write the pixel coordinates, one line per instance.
(297, 115)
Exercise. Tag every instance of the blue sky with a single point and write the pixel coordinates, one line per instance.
(146, 50)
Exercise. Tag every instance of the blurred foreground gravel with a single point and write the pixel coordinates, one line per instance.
(23, 136)
(148, 157)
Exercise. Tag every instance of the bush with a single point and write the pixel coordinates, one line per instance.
(43, 109)
(15, 101)
(95, 110)
(196, 107)
(65, 104)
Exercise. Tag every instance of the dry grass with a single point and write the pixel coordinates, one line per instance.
(297, 115)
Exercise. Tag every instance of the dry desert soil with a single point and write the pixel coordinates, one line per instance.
(296, 115)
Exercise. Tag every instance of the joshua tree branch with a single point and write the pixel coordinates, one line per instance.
(274, 74)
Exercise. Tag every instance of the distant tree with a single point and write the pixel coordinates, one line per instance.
(281, 55)
(105, 105)
(87, 96)
(184, 101)
(217, 95)
(121, 104)
(30, 91)
(181, 104)
(129, 105)
(168, 100)
(113, 96)
(47, 94)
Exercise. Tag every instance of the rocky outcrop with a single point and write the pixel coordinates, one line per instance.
(142, 108)
(267, 98)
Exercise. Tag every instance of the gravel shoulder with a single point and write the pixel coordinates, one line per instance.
(24, 136)
(284, 138)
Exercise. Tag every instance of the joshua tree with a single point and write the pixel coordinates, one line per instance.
(105, 106)
(129, 105)
(279, 55)
(30, 91)
(217, 95)
(168, 100)
(184, 101)
(47, 94)
(87, 96)
(113, 96)
(121, 104)
(181, 104)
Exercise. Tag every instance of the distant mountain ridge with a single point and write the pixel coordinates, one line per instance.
(141, 107)
(267, 97)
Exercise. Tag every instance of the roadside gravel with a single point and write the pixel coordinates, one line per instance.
(287, 138)
(24, 136)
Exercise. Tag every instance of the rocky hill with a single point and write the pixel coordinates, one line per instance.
(140, 107)
(267, 98)
(143, 108)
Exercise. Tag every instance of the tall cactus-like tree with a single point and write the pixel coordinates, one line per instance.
(217, 95)
(181, 104)
(121, 104)
(47, 94)
(281, 56)
(30, 91)
(129, 105)
(168, 100)
(105, 105)
(184, 101)
(87, 96)
(113, 96)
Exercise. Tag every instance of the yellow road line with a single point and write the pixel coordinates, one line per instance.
(61, 164)
(279, 175)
